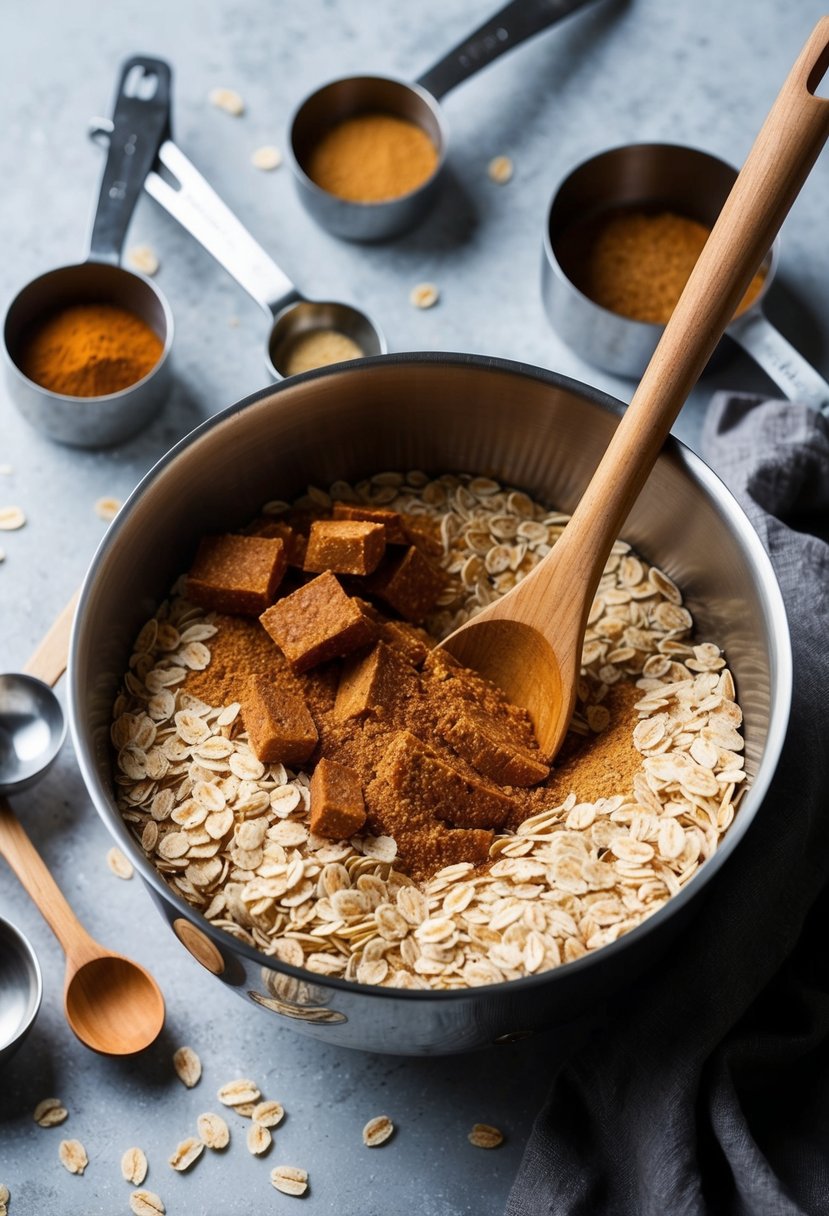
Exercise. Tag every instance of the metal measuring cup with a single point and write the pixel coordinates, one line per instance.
(140, 122)
(417, 103)
(655, 177)
(195, 204)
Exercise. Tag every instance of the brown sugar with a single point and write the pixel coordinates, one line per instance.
(345, 546)
(491, 748)
(316, 623)
(279, 725)
(636, 263)
(236, 574)
(295, 542)
(409, 584)
(371, 158)
(374, 683)
(392, 521)
(338, 809)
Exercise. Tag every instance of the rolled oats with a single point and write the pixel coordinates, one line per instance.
(236, 1093)
(289, 1179)
(134, 1166)
(120, 865)
(73, 1156)
(50, 1112)
(377, 1131)
(146, 1203)
(186, 1153)
(213, 1131)
(483, 1135)
(268, 1114)
(259, 1139)
(187, 1065)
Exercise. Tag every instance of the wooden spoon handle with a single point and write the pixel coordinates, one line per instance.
(779, 162)
(34, 876)
(48, 663)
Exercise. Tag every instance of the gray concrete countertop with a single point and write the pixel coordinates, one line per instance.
(693, 71)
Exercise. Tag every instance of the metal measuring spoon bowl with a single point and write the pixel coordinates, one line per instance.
(191, 200)
(21, 988)
(653, 178)
(32, 731)
(416, 103)
(140, 122)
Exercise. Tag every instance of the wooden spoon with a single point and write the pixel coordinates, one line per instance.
(530, 641)
(112, 1004)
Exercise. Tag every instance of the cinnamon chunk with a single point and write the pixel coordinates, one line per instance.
(489, 746)
(337, 806)
(279, 725)
(316, 623)
(236, 574)
(409, 584)
(374, 683)
(391, 520)
(427, 787)
(345, 546)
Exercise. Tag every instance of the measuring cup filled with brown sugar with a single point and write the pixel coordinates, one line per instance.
(86, 345)
(623, 233)
(368, 151)
(303, 333)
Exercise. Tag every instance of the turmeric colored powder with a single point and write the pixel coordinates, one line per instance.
(636, 263)
(89, 350)
(372, 158)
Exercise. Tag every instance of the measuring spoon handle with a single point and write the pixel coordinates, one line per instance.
(779, 360)
(511, 25)
(140, 121)
(34, 877)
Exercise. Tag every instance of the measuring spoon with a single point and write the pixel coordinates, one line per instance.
(191, 200)
(417, 103)
(530, 641)
(111, 1003)
(140, 122)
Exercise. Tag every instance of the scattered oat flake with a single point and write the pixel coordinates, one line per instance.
(259, 1139)
(49, 1112)
(227, 100)
(500, 169)
(134, 1166)
(144, 259)
(11, 518)
(107, 508)
(146, 1203)
(483, 1135)
(187, 1065)
(120, 865)
(377, 1131)
(425, 295)
(235, 1093)
(266, 158)
(73, 1156)
(186, 1153)
(268, 1114)
(213, 1130)
(289, 1179)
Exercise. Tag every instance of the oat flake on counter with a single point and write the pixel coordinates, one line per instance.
(570, 879)
(228, 100)
(73, 1156)
(500, 170)
(119, 864)
(483, 1135)
(187, 1065)
(11, 518)
(50, 1112)
(424, 295)
(107, 508)
(146, 1203)
(144, 259)
(213, 1130)
(266, 158)
(134, 1166)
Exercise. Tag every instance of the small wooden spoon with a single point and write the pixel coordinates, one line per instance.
(112, 1004)
(530, 641)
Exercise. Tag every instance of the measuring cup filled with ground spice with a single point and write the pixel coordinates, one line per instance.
(623, 234)
(367, 151)
(86, 346)
(304, 334)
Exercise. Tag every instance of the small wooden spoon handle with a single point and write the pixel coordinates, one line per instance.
(48, 663)
(34, 876)
(777, 166)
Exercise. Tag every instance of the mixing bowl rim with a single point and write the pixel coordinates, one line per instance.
(714, 488)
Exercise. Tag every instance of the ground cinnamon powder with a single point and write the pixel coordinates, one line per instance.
(636, 263)
(89, 350)
(372, 158)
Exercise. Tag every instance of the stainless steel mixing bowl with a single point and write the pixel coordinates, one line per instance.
(437, 412)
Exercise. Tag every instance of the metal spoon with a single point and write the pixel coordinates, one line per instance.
(140, 121)
(112, 1004)
(191, 200)
(530, 641)
(417, 103)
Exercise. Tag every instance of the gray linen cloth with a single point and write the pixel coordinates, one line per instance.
(704, 1088)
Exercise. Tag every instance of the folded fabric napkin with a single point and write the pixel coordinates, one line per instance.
(704, 1088)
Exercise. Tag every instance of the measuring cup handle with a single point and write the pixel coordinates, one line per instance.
(140, 122)
(510, 26)
(779, 360)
